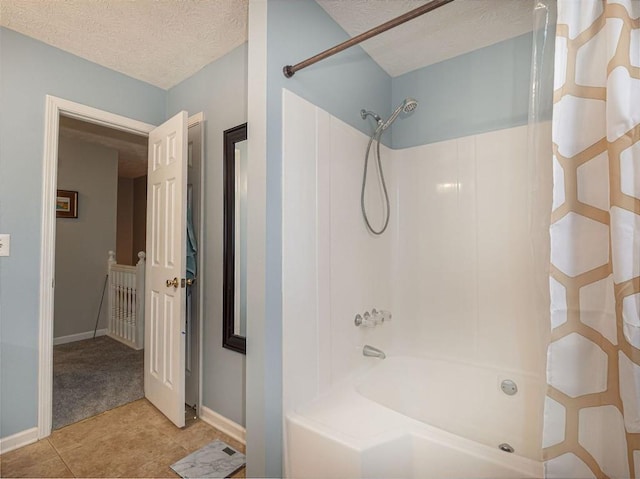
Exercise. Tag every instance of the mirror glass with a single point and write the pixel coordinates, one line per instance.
(234, 323)
(240, 291)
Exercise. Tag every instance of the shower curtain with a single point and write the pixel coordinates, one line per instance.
(592, 409)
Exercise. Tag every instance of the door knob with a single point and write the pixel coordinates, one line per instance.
(175, 283)
(190, 281)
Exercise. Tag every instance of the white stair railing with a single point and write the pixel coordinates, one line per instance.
(126, 301)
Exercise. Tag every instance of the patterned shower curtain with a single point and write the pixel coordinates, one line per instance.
(592, 409)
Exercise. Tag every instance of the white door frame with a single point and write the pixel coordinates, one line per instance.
(53, 109)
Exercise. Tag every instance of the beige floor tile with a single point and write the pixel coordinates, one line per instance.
(83, 432)
(64, 440)
(163, 462)
(134, 440)
(242, 473)
(38, 464)
(133, 411)
(87, 461)
(27, 455)
(123, 453)
(196, 436)
(102, 427)
(164, 426)
(158, 469)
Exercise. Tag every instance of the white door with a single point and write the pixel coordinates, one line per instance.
(164, 352)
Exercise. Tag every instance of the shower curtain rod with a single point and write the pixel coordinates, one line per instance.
(290, 70)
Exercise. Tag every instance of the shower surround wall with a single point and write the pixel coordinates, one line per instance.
(331, 268)
(463, 269)
(455, 266)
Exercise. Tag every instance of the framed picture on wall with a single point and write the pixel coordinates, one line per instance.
(66, 204)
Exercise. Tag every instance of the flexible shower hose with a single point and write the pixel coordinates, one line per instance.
(376, 136)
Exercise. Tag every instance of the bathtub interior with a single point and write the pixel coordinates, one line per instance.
(463, 399)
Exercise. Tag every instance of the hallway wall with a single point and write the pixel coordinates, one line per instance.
(132, 219)
(124, 233)
(83, 243)
(139, 217)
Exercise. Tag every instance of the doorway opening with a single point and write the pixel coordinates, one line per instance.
(60, 114)
(98, 357)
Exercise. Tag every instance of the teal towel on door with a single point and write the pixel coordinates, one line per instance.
(192, 246)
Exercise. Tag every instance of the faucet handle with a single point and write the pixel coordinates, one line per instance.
(381, 316)
(364, 320)
(369, 320)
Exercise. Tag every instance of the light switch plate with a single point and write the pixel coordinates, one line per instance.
(5, 245)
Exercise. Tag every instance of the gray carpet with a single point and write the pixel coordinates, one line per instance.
(93, 376)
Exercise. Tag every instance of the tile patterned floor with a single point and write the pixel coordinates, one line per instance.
(134, 440)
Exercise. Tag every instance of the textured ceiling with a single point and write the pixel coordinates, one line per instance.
(132, 149)
(161, 42)
(456, 28)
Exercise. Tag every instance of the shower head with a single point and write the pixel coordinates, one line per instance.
(407, 106)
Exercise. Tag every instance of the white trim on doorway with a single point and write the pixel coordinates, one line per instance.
(53, 109)
(194, 120)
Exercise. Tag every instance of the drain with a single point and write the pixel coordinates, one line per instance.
(506, 447)
(509, 387)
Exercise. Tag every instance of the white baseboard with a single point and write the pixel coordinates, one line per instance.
(222, 424)
(78, 337)
(19, 439)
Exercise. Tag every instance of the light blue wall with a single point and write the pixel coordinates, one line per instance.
(30, 70)
(220, 91)
(487, 89)
(342, 85)
(484, 90)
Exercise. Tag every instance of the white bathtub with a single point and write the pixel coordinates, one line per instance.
(418, 418)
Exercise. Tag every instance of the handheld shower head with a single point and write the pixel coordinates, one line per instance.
(407, 106)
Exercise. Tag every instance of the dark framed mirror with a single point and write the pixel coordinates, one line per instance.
(234, 302)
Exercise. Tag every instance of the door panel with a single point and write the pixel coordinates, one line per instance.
(164, 374)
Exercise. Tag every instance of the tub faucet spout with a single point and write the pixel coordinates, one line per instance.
(372, 352)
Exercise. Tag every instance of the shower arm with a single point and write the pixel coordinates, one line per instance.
(290, 70)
